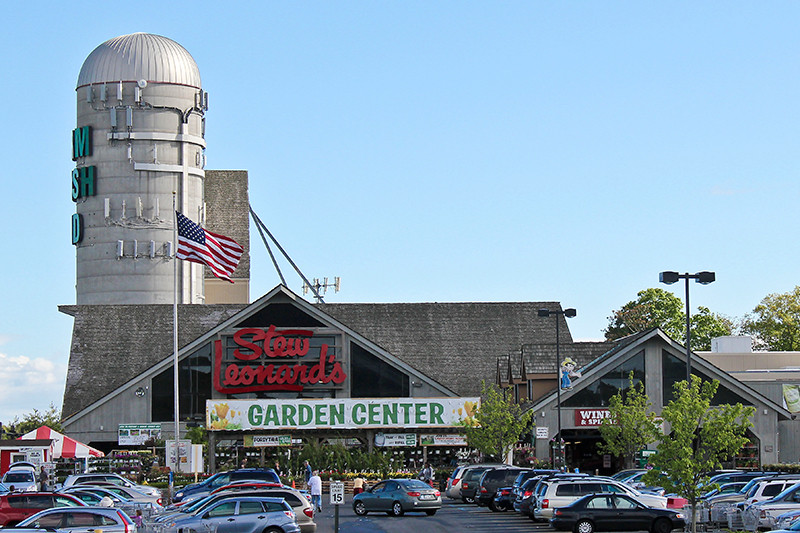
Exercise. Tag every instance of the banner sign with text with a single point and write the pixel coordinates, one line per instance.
(443, 440)
(340, 413)
(137, 434)
(267, 440)
(395, 439)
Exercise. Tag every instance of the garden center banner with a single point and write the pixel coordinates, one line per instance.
(338, 413)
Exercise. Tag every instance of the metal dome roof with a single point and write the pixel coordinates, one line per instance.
(140, 56)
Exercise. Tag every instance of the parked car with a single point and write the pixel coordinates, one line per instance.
(766, 512)
(116, 479)
(725, 488)
(91, 495)
(398, 496)
(453, 489)
(301, 505)
(225, 478)
(614, 512)
(81, 519)
(126, 492)
(622, 474)
(492, 480)
(524, 501)
(561, 492)
(17, 506)
(242, 514)
(21, 480)
(470, 483)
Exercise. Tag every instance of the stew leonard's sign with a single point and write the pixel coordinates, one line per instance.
(338, 413)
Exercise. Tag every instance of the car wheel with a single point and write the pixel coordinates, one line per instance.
(397, 509)
(584, 526)
(273, 530)
(662, 525)
(360, 509)
(430, 512)
(493, 507)
(469, 500)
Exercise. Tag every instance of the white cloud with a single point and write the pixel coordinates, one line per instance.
(29, 384)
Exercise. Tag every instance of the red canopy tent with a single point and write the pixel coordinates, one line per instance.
(63, 446)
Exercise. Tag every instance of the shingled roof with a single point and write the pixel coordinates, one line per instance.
(134, 337)
(455, 343)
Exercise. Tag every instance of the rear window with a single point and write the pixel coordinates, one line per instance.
(18, 477)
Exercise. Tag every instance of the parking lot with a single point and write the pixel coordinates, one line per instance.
(454, 516)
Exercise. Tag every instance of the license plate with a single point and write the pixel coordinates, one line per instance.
(427, 497)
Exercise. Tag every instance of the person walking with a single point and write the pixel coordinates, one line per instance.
(427, 474)
(358, 485)
(315, 487)
(308, 471)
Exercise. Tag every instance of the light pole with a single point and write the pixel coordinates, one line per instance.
(568, 313)
(669, 277)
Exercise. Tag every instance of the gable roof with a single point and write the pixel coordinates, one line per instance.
(627, 346)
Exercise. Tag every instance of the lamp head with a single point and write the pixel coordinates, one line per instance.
(570, 312)
(668, 277)
(544, 312)
(705, 277)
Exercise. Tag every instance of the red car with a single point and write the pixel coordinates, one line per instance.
(17, 506)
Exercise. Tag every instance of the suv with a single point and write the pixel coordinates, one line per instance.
(470, 483)
(766, 512)
(560, 492)
(17, 506)
(196, 490)
(492, 480)
(116, 479)
(453, 489)
(21, 479)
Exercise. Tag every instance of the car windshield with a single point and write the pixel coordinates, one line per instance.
(195, 505)
(750, 484)
(18, 477)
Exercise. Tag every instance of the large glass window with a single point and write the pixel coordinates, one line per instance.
(194, 381)
(673, 370)
(599, 392)
(371, 377)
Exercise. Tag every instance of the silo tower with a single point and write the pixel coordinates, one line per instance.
(139, 137)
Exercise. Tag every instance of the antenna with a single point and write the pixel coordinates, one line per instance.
(320, 288)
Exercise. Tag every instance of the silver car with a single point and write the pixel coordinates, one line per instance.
(22, 479)
(246, 514)
(81, 519)
(116, 479)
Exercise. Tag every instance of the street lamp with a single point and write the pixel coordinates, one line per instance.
(568, 313)
(704, 278)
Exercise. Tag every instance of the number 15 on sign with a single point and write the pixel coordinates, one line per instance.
(337, 493)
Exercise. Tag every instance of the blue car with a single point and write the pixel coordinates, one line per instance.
(225, 478)
(245, 514)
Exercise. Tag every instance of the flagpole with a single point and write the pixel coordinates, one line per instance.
(175, 339)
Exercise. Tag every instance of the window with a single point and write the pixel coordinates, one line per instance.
(49, 521)
(77, 519)
(371, 377)
(223, 509)
(589, 488)
(624, 503)
(249, 507)
(674, 370)
(195, 379)
(599, 392)
(275, 506)
(565, 490)
(601, 502)
(61, 501)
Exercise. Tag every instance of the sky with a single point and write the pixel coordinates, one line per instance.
(437, 152)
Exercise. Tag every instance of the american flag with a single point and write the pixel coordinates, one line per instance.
(219, 253)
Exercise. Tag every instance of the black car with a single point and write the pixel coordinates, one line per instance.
(492, 480)
(470, 483)
(614, 512)
(224, 478)
(524, 501)
(506, 498)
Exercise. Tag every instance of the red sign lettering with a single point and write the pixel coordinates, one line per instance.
(285, 375)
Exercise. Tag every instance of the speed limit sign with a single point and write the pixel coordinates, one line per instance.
(337, 492)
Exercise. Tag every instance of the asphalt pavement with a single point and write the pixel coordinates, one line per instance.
(454, 516)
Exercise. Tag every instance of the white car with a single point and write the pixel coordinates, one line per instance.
(561, 492)
(21, 479)
(766, 512)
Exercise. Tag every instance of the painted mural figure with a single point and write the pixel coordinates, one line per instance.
(568, 373)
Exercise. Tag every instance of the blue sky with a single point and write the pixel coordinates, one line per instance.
(437, 151)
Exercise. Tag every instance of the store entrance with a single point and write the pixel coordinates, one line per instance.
(581, 452)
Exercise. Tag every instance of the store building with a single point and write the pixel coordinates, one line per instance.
(659, 362)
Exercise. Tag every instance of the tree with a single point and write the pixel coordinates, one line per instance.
(659, 308)
(701, 437)
(34, 420)
(775, 322)
(498, 423)
(631, 425)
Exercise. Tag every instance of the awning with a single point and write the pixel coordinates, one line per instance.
(63, 446)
